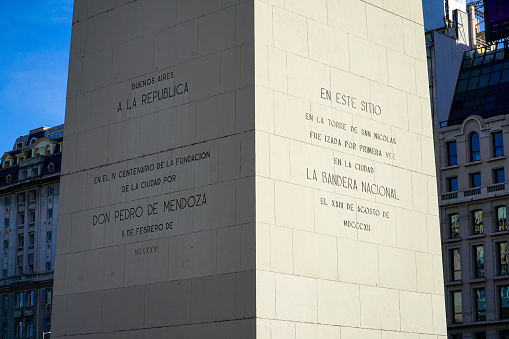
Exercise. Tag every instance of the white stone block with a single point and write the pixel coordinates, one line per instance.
(190, 9)
(385, 28)
(425, 283)
(281, 249)
(114, 27)
(280, 168)
(368, 59)
(290, 32)
(230, 69)
(282, 329)
(416, 319)
(169, 47)
(278, 74)
(266, 294)
(215, 117)
(349, 270)
(379, 308)
(325, 42)
(286, 215)
(133, 58)
(217, 31)
(397, 268)
(310, 331)
(306, 77)
(201, 247)
(263, 27)
(315, 255)
(296, 298)
(316, 10)
(153, 15)
(355, 333)
(338, 303)
(411, 230)
(352, 14)
(265, 208)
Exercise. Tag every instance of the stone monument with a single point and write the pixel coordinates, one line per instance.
(248, 169)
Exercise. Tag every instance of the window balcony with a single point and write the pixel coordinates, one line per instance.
(32, 161)
(469, 194)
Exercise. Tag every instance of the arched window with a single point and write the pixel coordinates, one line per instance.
(475, 150)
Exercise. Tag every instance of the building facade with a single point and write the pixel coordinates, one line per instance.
(471, 155)
(29, 190)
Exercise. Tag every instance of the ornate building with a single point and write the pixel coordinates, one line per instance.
(474, 195)
(29, 187)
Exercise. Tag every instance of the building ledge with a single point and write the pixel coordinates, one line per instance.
(470, 194)
(472, 163)
(452, 240)
(477, 280)
(499, 233)
(501, 277)
(476, 236)
(502, 157)
(449, 167)
(454, 283)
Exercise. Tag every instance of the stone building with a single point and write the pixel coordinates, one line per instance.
(29, 187)
(471, 155)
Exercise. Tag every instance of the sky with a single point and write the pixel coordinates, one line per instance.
(34, 56)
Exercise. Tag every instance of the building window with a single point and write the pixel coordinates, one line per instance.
(479, 261)
(19, 329)
(455, 225)
(5, 332)
(31, 195)
(7, 222)
(480, 335)
(31, 239)
(21, 219)
(475, 150)
(5, 273)
(50, 190)
(6, 302)
(30, 328)
(20, 265)
(452, 184)
(477, 218)
(501, 218)
(6, 244)
(498, 144)
(19, 299)
(480, 303)
(21, 198)
(503, 267)
(504, 302)
(31, 298)
(48, 265)
(452, 154)
(7, 201)
(31, 215)
(504, 334)
(49, 236)
(475, 179)
(21, 242)
(456, 264)
(498, 176)
(50, 213)
(457, 307)
(48, 325)
(49, 296)
(31, 263)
